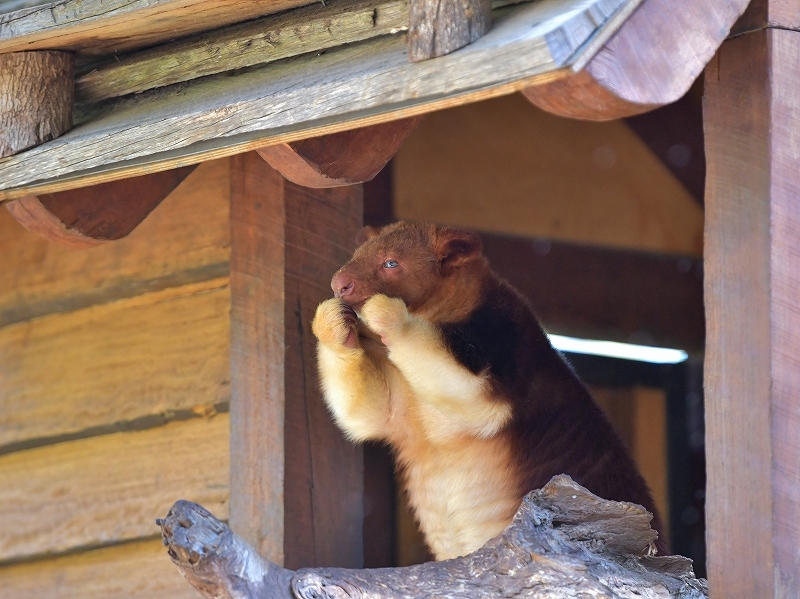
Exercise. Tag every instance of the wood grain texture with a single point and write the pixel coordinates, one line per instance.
(353, 86)
(600, 293)
(138, 570)
(108, 489)
(762, 14)
(148, 356)
(503, 166)
(752, 287)
(98, 27)
(296, 484)
(83, 218)
(437, 28)
(308, 29)
(36, 95)
(650, 61)
(186, 241)
(340, 159)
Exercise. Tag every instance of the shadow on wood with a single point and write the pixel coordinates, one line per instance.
(340, 159)
(563, 540)
(82, 218)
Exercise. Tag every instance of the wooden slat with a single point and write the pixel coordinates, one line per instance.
(286, 242)
(139, 570)
(90, 216)
(186, 241)
(100, 367)
(339, 159)
(599, 293)
(308, 29)
(650, 61)
(354, 86)
(761, 14)
(752, 372)
(506, 167)
(98, 27)
(108, 489)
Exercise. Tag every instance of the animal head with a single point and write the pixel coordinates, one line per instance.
(437, 271)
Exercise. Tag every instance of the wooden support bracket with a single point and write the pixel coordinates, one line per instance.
(438, 27)
(650, 61)
(82, 218)
(340, 159)
(36, 94)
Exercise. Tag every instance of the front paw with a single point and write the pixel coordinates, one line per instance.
(334, 324)
(385, 316)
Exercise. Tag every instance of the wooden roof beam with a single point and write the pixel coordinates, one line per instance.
(82, 218)
(652, 60)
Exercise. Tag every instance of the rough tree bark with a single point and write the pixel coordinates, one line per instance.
(563, 542)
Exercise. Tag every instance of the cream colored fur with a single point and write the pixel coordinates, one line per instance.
(440, 418)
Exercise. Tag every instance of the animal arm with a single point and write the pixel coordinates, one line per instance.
(453, 401)
(355, 389)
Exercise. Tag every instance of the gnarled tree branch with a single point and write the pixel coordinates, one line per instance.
(563, 541)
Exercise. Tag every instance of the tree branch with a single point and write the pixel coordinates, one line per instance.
(563, 541)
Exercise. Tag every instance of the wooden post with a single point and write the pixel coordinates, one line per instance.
(36, 92)
(752, 274)
(296, 484)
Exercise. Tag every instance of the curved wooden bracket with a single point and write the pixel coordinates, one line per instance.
(340, 159)
(650, 61)
(82, 218)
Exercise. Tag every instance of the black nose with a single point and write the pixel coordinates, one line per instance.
(342, 285)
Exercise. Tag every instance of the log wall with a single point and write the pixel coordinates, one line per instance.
(110, 359)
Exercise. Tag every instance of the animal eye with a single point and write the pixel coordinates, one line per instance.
(390, 264)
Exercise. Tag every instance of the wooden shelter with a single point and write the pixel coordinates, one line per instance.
(189, 331)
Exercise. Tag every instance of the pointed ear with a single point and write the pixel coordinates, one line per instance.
(456, 248)
(365, 234)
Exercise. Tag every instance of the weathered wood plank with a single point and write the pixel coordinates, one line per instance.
(265, 40)
(339, 159)
(752, 371)
(652, 60)
(762, 14)
(138, 570)
(286, 241)
(505, 167)
(438, 27)
(70, 495)
(149, 356)
(98, 27)
(36, 96)
(90, 216)
(358, 85)
(186, 241)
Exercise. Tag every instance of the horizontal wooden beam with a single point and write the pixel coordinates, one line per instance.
(101, 27)
(650, 61)
(308, 29)
(82, 218)
(601, 293)
(339, 159)
(353, 86)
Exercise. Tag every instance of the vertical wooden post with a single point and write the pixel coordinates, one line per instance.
(296, 484)
(752, 254)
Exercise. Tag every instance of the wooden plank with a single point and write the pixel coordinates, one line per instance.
(98, 27)
(107, 489)
(600, 293)
(762, 14)
(186, 241)
(286, 242)
(36, 97)
(358, 85)
(752, 372)
(123, 364)
(437, 28)
(139, 570)
(339, 159)
(505, 167)
(93, 215)
(308, 29)
(652, 60)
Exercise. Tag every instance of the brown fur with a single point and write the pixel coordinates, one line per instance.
(447, 363)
